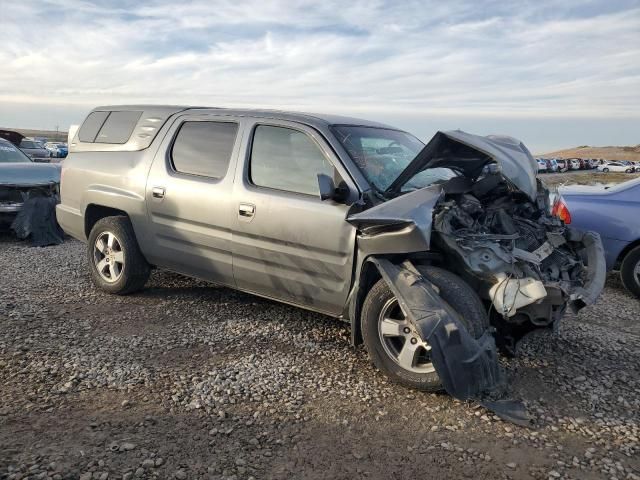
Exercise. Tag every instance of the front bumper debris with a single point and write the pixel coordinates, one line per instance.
(467, 367)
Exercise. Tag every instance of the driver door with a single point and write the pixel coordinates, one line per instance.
(287, 243)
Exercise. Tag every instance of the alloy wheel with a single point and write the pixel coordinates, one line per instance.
(108, 257)
(401, 342)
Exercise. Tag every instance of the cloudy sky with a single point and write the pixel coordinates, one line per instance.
(554, 73)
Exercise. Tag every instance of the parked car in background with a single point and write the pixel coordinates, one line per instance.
(57, 149)
(615, 167)
(574, 164)
(342, 216)
(34, 150)
(552, 165)
(542, 165)
(563, 165)
(20, 179)
(613, 212)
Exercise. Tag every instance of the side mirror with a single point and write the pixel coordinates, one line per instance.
(326, 187)
(328, 190)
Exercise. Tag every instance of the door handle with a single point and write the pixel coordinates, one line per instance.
(157, 192)
(246, 210)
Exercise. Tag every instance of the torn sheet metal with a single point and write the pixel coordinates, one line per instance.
(400, 225)
(594, 251)
(512, 411)
(467, 367)
(37, 221)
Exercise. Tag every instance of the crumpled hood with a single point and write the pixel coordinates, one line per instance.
(470, 153)
(25, 174)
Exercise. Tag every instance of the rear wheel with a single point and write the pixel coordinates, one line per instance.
(115, 261)
(393, 345)
(605, 170)
(630, 271)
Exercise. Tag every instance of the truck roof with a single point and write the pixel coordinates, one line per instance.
(110, 128)
(304, 117)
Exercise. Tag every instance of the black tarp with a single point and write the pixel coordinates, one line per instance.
(37, 221)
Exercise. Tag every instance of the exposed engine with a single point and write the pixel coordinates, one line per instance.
(527, 263)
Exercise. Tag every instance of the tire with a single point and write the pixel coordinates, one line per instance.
(605, 170)
(630, 271)
(628, 170)
(120, 268)
(385, 351)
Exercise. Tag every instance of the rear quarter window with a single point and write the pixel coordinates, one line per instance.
(204, 148)
(117, 127)
(109, 127)
(90, 127)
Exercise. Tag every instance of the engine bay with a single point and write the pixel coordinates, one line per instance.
(522, 260)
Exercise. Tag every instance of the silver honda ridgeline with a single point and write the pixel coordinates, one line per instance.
(436, 254)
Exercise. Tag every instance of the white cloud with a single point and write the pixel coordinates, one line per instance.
(471, 59)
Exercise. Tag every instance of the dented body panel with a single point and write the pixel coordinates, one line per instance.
(401, 225)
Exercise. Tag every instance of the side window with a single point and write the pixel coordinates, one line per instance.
(204, 148)
(118, 127)
(286, 159)
(91, 125)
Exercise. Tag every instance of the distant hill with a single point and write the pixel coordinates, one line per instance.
(608, 153)
(60, 136)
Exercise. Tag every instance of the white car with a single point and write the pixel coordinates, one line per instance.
(615, 167)
(542, 165)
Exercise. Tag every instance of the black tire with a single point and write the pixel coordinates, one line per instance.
(134, 271)
(628, 170)
(631, 279)
(460, 296)
(605, 170)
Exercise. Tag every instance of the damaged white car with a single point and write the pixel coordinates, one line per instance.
(432, 253)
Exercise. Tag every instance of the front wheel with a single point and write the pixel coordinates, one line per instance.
(395, 348)
(605, 170)
(116, 264)
(630, 271)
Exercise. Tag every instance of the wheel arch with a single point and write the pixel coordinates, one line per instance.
(367, 278)
(625, 251)
(96, 212)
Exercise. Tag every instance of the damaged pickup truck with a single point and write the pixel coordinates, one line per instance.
(435, 254)
(29, 192)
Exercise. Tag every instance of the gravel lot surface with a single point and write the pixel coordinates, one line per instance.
(188, 380)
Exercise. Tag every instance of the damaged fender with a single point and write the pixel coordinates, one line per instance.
(467, 367)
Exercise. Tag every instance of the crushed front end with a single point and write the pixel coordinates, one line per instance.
(525, 263)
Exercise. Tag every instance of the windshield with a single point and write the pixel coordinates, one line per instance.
(382, 154)
(30, 144)
(10, 154)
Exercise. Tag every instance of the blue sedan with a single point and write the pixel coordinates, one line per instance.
(613, 212)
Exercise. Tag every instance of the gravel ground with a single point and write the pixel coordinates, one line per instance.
(188, 380)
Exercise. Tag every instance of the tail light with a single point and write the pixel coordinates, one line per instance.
(561, 211)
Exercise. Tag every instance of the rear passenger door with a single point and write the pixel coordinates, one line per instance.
(287, 243)
(188, 197)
